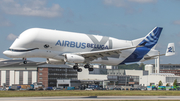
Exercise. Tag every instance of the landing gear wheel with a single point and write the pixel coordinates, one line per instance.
(86, 66)
(24, 61)
(90, 69)
(79, 70)
(75, 67)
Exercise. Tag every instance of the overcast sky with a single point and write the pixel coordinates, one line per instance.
(122, 19)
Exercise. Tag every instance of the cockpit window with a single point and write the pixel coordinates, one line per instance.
(15, 50)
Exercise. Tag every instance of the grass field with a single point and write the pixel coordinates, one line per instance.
(86, 93)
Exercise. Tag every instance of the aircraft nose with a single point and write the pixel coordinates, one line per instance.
(13, 54)
(7, 53)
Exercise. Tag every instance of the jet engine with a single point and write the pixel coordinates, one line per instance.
(71, 58)
(54, 61)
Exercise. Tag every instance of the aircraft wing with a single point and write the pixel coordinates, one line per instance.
(102, 53)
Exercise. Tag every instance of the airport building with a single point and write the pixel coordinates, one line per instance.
(49, 74)
(165, 68)
(170, 68)
(153, 79)
(15, 72)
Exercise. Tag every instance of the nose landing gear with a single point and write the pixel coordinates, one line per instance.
(24, 61)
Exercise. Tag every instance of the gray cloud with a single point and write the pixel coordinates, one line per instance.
(11, 37)
(128, 5)
(177, 22)
(143, 1)
(125, 3)
(4, 22)
(30, 8)
(117, 3)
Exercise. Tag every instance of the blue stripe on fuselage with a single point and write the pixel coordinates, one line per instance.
(137, 55)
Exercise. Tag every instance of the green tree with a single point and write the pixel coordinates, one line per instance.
(160, 83)
(141, 65)
(175, 83)
(167, 84)
(132, 66)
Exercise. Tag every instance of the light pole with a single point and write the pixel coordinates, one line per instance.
(157, 63)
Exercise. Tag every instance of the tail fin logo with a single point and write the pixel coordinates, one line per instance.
(171, 49)
(152, 38)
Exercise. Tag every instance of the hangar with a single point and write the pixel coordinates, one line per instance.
(15, 72)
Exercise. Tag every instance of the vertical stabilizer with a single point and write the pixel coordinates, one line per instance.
(170, 49)
(151, 39)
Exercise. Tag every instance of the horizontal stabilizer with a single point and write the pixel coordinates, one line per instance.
(170, 49)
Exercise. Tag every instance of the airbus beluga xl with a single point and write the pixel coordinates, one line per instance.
(59, 47)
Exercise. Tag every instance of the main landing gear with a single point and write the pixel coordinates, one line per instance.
(24, 61)
(88, 66)
(76, 67)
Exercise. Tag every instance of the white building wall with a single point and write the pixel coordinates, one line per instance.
(3, 77)
(146, 80)
(16, 77)
(34, 76)
(95, 66)
(108, 67)
(25, 77)
(134, 72)
(63, 82)
(84, 75)
(149, 68)
(12, 77)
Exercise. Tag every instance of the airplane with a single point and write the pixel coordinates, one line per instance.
(59, 47)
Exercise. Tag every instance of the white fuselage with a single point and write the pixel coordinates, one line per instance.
(45, 43)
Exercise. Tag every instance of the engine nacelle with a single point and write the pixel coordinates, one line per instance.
(54, 61)
(71, 58)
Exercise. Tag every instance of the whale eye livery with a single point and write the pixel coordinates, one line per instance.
(46, 46)
(79, 48)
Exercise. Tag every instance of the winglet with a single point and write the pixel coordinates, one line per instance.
(170, 49)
